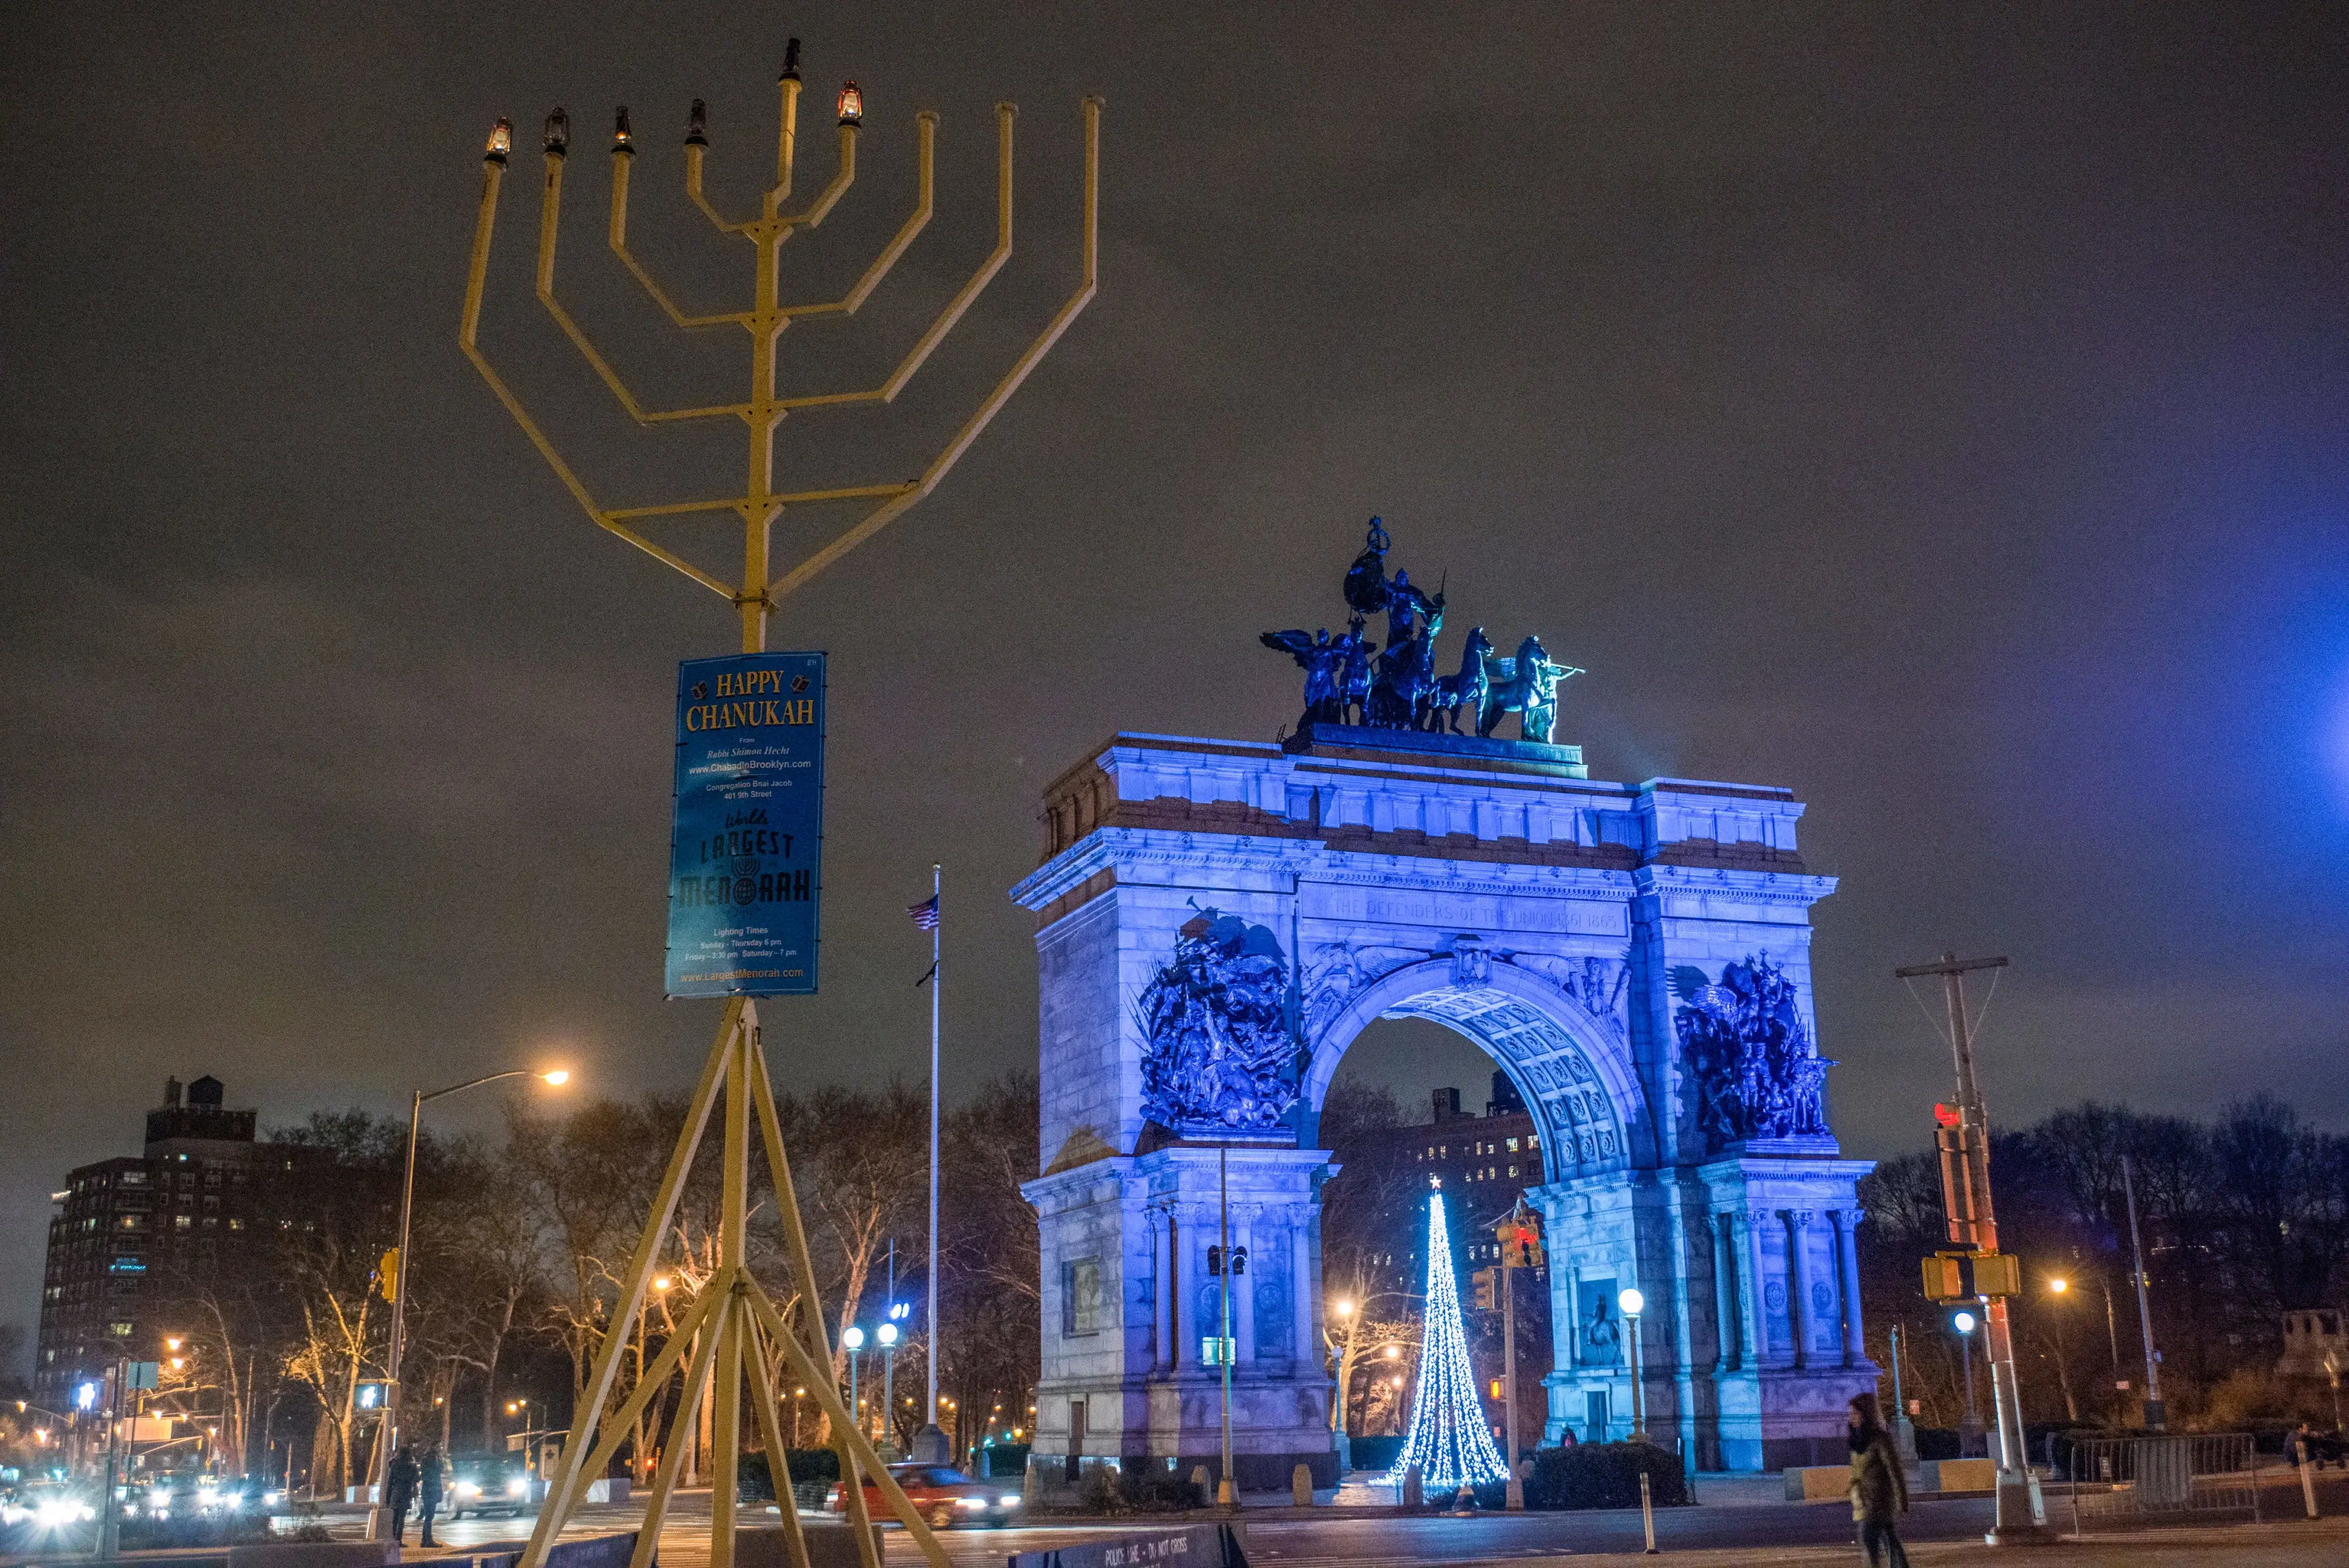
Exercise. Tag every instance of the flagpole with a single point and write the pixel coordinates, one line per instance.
(937, 928)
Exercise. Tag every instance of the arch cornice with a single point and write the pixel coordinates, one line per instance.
(1467, 976)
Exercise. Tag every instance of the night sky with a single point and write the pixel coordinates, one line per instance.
(1937, 410)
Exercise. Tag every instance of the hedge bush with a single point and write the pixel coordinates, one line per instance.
(756, 1482)
(1002, 1460)
(1602, 1475)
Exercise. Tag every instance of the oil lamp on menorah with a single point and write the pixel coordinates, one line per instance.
(734, 1328)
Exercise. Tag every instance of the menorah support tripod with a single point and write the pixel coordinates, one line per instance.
(732, 1327)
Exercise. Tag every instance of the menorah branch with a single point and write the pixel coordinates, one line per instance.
(623, 160)
(842, 180)
(881, 516)
(926, 138)
(953, 312)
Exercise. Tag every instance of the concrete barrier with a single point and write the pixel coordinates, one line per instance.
(314, 1554)
(1832, 1483)
(611, 1488)
(1818, 1483)
(1958, 1475)
(828, 1546)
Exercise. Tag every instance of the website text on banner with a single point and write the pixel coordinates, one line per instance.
(746, 846)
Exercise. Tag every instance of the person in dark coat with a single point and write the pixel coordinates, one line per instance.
(431, 1478)
(1879, 1493)
(400, 1488)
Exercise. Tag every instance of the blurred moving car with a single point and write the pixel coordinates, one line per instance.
(48, 1505)
(943, 1496)
(484, 1484)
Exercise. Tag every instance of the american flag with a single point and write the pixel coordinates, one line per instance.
(925, 913)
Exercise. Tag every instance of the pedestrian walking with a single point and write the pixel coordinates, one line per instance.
(1879, 1493)
(399, 1490)
(432, 1479)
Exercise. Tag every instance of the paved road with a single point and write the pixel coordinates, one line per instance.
(1775, 1533)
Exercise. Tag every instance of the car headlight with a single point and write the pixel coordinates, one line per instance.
(55, 1512)
(517, 1487)
(970, 1502)
(269, 1499)
(1009, 1500)
(208, 1498)
(467, 1489)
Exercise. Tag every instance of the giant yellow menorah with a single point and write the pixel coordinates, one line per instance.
(725, 1338)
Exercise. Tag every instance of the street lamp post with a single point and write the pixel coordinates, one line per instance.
(2058, 1287)
(378, 1515)
(1344, 1310)
(1631, 1302)
(887, 1335)
(1904, 1430)
(1970, 1426)
(853, 1338)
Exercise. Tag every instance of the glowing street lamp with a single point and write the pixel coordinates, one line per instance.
(1970, 1430)
(887, 1336)
(852, 1336)
(852, 105)
(500, 142)
(1630, 1303)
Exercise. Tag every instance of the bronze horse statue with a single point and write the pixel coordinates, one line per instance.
(1467, 689)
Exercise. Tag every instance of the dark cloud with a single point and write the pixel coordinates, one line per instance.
(1935, 410)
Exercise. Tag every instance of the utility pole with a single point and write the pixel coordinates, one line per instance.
(2154, 1414)
(1520, 1248)
(2021, 1514)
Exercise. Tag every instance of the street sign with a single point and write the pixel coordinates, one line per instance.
(1215, 1352)
(745, 868)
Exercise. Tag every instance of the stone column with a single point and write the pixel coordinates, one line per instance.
(1307, 1345)
(1798, 1281)
(1162, 1291)
(1757, 1222)
(1848, 1255)
(1183, 1281)
(1244, 1288)
(1725, 1305)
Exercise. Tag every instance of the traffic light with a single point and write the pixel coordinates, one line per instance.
(1488, 1289)
(1239, 1261)
(1215, 1260)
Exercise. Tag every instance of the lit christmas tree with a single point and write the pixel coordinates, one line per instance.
(1448, 1441)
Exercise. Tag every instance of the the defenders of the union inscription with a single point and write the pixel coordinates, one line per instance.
(1400, 689)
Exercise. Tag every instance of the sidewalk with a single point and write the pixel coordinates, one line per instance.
(2302, 1544)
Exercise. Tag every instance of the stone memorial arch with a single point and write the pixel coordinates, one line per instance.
(1217, 921)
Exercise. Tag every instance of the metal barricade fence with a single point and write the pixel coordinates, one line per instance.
(2117, 1480)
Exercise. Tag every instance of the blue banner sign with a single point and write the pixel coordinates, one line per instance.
(745, 845)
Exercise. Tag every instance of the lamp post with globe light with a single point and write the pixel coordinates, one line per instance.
(852, 1337)
(378, 1515)
(1630, 1303)
(1970, 1426)
(887, 1335)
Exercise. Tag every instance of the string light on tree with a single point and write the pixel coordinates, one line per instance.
(1449, 1440)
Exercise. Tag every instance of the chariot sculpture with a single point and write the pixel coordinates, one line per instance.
(1400, 689)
